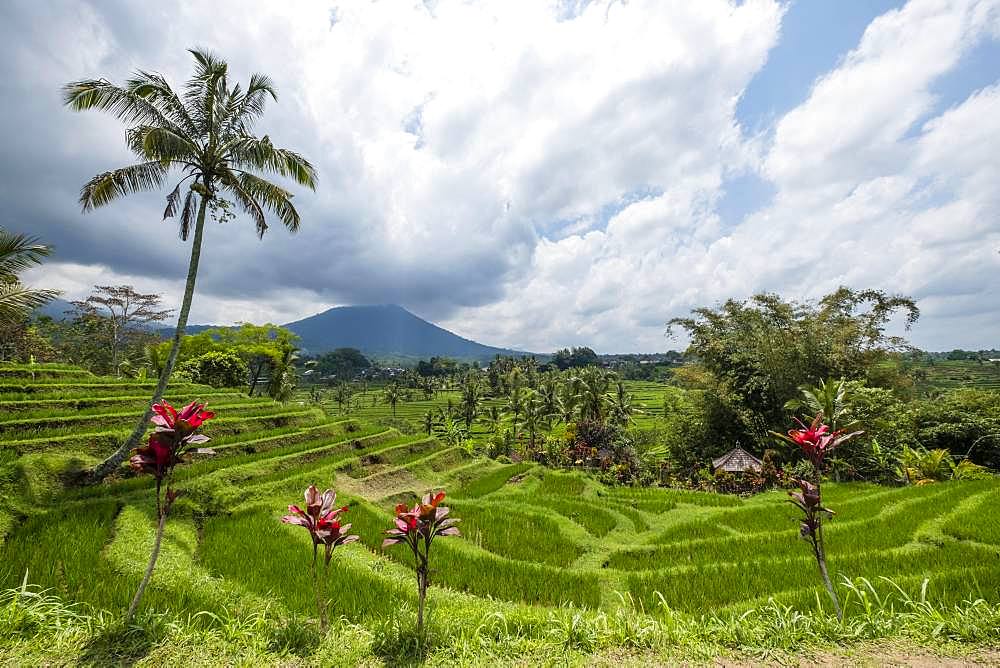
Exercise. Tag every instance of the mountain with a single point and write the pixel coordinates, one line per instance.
(386, 331)
(56, 309)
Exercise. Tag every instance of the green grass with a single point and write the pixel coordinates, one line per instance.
(491, 481)
(536, 574)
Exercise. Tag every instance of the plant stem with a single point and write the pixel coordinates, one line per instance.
(110, 464)
(319, 594)
(422, 589)
(152, 563)
(820, 552)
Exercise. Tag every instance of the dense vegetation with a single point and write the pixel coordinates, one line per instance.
(534, 540)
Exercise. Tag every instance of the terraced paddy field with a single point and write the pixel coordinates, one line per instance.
(369, 405)
(948, 374)
(551, 566)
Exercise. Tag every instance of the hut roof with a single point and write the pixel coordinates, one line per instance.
(737, 460)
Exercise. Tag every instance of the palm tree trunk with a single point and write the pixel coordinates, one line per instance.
(110, 464)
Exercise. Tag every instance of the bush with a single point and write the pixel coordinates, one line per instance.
(217, 368)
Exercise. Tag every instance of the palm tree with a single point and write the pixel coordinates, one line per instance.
(284, 377)
(620, 405)
(429, 422)
(391, 395)
(17, 253)
(492, 419)
(593, 384)
(515, 404)
(535, 415)
(205, 134)
(471, 398)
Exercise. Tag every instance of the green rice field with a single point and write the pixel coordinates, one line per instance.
(538, 547)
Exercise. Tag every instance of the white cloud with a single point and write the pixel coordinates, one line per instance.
(862, 199)
(533, 174)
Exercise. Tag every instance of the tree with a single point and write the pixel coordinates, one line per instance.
(620, 407)
(575, 358)
(343, 363)
(17, 253)
(471, 398)
(205, 134)
(342, 395)
(125, 310)
(757, 353)
(515, 398)
(492, 419)
(217, 368)
(392, 396)
(593, 384)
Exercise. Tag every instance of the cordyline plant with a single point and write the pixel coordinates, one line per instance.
(417, 527)
(816, 440)
(322, 520)
(175, 436)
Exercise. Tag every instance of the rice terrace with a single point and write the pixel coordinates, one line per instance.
(741, 400)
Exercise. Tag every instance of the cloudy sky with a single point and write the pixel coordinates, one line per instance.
(541, 174)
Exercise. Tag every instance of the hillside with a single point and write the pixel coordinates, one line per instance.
(535, 574)
(387, 331)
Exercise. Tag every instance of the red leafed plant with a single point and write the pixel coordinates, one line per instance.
(417, 527)
(816, 440)
(322, 520)
(175, 436)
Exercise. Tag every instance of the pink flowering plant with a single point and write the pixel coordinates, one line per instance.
(173, 439)
(417, 527)
(321, 518)
(816, 441)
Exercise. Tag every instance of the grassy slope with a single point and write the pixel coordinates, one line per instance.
(534, 539)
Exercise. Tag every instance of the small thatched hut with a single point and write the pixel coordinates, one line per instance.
(736, 460)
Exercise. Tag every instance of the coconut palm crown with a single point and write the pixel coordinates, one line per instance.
(17, 253)
(203, 137)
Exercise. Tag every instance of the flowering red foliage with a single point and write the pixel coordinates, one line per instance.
(321, 519)
(417, 527)
(424, 521)
(817, 440)
(175, 432)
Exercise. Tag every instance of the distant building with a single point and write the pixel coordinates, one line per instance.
(736, 460)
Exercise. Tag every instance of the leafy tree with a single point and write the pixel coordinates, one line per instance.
(125, 311)
(17, 253)
(205, 134)
(218, 368)
(575, 358)
(343, 363)
(756, 353)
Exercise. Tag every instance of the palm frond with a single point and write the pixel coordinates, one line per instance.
(161, 144)
(188, 214)
(109, 186)
(246, 201)
(274, 198)
(122, 103)
(17, 301)
(17, 253)
(259, 153)
(153, 86)
(202, 90)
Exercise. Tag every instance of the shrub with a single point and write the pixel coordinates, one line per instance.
(217, 368)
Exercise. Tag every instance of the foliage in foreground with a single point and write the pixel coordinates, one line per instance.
(36, 626)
